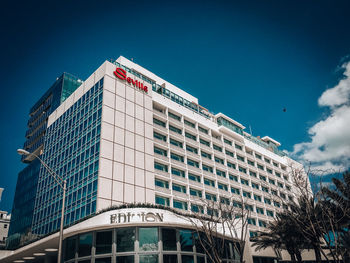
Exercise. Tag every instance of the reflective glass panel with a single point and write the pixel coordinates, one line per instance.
(103, 242)
(187, 259)
(125, 259)
(170, 259)
(169, 239)
(103, 260)
(148, 238)
(186, 240)
(125, 239)
(85, 244)
(70, 248)
(148, 258)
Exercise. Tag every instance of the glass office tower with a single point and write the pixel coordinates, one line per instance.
(27, 181)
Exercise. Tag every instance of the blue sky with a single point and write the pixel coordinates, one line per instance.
(247, 59)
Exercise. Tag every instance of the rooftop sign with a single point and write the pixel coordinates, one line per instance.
(121, 74)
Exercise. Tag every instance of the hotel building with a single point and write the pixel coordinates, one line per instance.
(126, 136)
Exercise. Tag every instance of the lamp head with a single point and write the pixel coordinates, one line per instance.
(22, 152)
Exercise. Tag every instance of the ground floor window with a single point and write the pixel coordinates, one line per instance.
(140, 245)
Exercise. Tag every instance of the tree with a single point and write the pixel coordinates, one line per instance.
(281, 234)
(221, 227)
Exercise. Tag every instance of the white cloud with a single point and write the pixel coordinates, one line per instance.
(329, 148)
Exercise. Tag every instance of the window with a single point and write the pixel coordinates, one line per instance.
(258, 156)
(262, 223)
(249, 207)
(257, 198)
(192, 163)
(278, 174)
(103, 242)
(246, 194)
(160, 167)
(217, 148)
(191, 149)
(260, 210)
(190, 124)
(269, 170)
(245, 182)
(255, 186)
(207, 168)
(262, 177)
(190, 136)
(177, 172)
(239, 147)
(277, 204)
(267, 201)
(283, 196)
(179, 204)
(85, 244)
(195, 192)
(194, 177)
(179, 188)
(251, 221)
(288, 187)
(210, 197)
(271, 181)
(176, 143)
(233, 177)
(251, 162)
(160, 151)
(253, 234)
(222, 187)
(231, 165)
(206, 155)
(227, 141)
(202, 130)
(159, 136)
(275, 164)
(186, 241)
(148, 238)
(230, 153)
(224, 200)
(169, 239)
(264, 189)
(177, 157)
(252, 174)
(159, 122)
(125, 239)
(235, 191)
(267, 160)
(269, 213)
(242, 170)
(285, 177)
(280, 184)
(218, 160)
(260, 167)
(175, 129)
(220, 173)
(161, 183)
(196, 209)
(274, 192)
(241, 158)
(162, 201)
(209, 182)
(174, 116)
(204, 142)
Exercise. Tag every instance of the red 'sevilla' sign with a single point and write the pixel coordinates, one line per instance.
(121, 74)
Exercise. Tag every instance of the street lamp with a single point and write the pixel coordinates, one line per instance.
(63, 184)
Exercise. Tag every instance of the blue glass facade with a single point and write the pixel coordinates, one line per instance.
(26, 188)
(71, 149)
(23, 204)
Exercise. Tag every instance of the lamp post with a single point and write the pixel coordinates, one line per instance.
(63, 184)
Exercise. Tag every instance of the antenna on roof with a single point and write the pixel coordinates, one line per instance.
(250, 129)
(132, 59)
